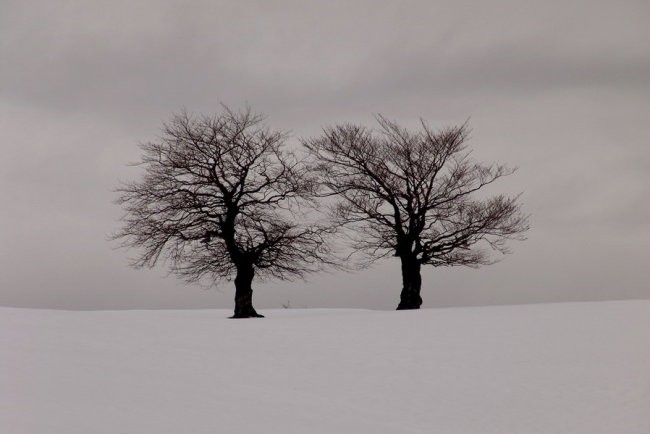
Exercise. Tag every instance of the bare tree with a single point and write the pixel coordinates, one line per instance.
(222, 198)
(409, 194)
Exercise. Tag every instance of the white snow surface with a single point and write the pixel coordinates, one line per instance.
(551, 368)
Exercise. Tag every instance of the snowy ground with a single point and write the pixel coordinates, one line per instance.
(554, 368)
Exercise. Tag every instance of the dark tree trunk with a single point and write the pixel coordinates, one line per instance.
(244, 293)
(412, 283)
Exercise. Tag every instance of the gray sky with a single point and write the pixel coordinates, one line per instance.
(559, 88)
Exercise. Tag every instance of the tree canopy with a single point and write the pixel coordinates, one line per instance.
(222, 198)
(411, 194)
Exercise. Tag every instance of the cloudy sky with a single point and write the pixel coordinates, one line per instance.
(560, 89)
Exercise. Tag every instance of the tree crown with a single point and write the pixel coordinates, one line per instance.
(411, 193)
(220, 192)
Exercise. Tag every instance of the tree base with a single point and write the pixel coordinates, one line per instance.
(409, 301)
(408, 307)
(248, 314)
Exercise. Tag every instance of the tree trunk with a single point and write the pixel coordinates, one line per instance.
(412, 283)
(244, 293)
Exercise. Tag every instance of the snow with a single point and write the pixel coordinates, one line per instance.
(553, 368)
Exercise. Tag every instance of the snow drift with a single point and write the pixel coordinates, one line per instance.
(554, 368)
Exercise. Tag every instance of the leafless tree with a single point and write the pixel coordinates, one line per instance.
(410, 194)
(221, 197)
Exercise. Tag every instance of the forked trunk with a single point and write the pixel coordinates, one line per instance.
(244, 293)
(411, 283)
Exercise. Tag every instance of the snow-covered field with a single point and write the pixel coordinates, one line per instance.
(554, 368)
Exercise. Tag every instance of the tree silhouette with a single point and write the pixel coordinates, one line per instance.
(222, 198)
(410, 194)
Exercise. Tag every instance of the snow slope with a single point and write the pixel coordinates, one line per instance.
(554, 368)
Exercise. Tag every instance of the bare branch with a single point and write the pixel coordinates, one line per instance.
(220, 197)
(410, 193)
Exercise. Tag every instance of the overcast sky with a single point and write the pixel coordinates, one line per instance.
(560, 89)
